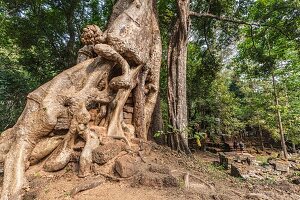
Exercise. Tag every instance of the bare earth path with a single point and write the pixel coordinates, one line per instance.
(206, 182)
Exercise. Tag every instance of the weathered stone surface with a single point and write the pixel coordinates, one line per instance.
(128, 121)
(245, 158)
(225, 160)
(159, 169)
(271, 161)
(128, 109)
(282, 166)
(155, 180)
(79, 145)
(104, 153)
(93, 113)
(239, 170)
(127, 115)
(126, 166)
(99, 130)
(279, 164)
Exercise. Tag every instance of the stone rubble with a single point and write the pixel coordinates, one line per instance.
(244, 165)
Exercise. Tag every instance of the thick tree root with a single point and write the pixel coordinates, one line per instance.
(44, 148)
(115, 129)
(62, 154)
(6, 140)
(85, 163)
(86, 186)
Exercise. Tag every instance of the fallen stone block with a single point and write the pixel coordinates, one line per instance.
(282, 166)
(159, 169)
(245, 158)
(240, 170)
(104, 153)
(225, 160)
(156, 180)
(126, 166)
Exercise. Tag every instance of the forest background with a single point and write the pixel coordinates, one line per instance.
(243, 65)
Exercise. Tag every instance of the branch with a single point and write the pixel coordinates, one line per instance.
(236, 21)
(209, 15)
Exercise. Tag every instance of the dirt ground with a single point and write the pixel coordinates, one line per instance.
(207, 181)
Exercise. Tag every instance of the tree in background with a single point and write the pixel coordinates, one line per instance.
(272, 51)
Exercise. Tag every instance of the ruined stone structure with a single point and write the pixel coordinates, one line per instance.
(109, 95)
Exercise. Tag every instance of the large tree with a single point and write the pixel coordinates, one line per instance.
(177, 58)
(92, 101)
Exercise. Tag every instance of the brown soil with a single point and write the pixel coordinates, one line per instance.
(206, 182)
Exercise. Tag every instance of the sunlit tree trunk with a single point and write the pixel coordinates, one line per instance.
(261, 137)
(177, 58)
(283, 145)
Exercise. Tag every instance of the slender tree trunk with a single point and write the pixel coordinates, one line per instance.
(70, 16)
(177, 58)
(294, 148)
(261, 137)
(283, 145)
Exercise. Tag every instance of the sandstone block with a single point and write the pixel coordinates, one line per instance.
(159, 169)
(104, 153)
(156, 180)
(282, 166)
(126, 166)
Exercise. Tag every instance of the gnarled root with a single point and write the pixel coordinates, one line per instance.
(115, 122)
(6, 140)
(109, 53)
(44, 148)
(61, 155)
(14, 168)
(85, 163)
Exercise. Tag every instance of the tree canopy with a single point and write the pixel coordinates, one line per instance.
(234, 49)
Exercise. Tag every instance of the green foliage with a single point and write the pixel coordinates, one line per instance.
(271, 49)
(39, 39)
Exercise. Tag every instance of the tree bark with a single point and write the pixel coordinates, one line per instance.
(261, 137)
(177, 58)
(69, 10)
(283, 145)
(156, 123)
(294, 147)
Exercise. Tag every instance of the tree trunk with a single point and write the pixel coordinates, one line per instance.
(261, 137)
(156, 123)
(69, 10)
(92, 101)
(283, 145)
(294, 148)
(177, 58)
